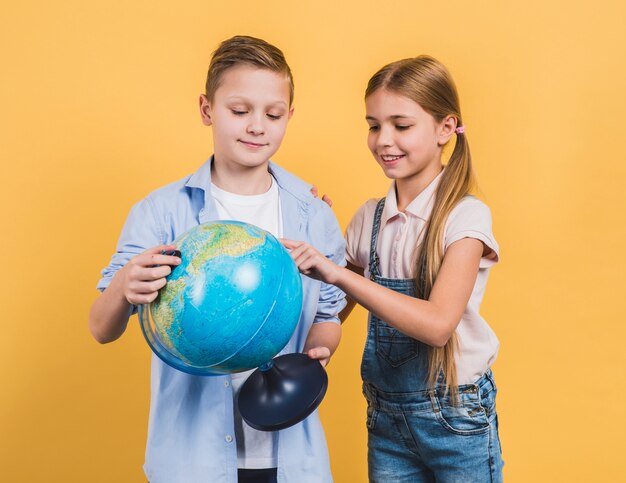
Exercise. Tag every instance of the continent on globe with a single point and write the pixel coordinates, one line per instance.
(230, 306)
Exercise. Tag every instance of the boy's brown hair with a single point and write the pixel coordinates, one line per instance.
(244, 50)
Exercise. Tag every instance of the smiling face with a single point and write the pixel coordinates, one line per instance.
(249, 114)
(405, 140)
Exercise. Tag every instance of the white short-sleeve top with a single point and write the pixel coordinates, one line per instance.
(401, 234)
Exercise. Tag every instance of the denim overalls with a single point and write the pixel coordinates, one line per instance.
(415, 433)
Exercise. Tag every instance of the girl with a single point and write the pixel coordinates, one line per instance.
(418, 260)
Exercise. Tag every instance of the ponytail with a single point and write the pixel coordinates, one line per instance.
(456, 182)
(427, 82)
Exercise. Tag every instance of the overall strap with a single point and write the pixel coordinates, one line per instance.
(374, 270)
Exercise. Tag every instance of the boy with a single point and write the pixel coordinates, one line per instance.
(195, 433)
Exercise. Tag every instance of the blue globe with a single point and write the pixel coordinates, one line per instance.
(230, 306)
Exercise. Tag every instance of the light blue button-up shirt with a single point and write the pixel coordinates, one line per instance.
(191, 434)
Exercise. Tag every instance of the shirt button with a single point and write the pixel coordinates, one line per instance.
(228, 438)
(226, 383)
(202, 211)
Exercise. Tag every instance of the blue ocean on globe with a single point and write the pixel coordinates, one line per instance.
(231, 305)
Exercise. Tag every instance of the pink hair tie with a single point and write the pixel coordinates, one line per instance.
(460, 130)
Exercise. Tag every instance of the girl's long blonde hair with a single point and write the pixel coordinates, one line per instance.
(426, 81)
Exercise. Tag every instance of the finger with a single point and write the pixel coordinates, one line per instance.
(307, 252)
(139, 299)
(319, 353)
(152, 287)
(298, 250)
(155, 259)
(290, 244)
(159, 249)
(301, 255)
(304, 258)
(148, 274)
(314, 191)
(156, 273)
(327, 200)
(147, 288)
(150, 256)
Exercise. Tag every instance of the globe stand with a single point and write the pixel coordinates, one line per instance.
(282, 392)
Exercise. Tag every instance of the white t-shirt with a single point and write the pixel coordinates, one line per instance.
(401, 232)
(255, 449)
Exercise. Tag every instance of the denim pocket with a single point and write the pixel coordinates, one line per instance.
(488, 402)
(372, 415)
(468, 418)
(393, 346)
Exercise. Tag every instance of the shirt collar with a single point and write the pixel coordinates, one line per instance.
(421, 206)
(201, 179)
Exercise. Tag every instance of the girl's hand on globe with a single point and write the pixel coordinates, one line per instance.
(322, 354)
(144, 274)
(310, 262)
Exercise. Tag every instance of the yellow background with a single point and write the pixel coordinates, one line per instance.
(99, 107)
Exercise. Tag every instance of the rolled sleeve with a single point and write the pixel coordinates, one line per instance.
(332, 300)
(353, 236)
(141, 231)
(472, 219)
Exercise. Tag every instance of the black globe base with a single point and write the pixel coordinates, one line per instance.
(282, 392)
